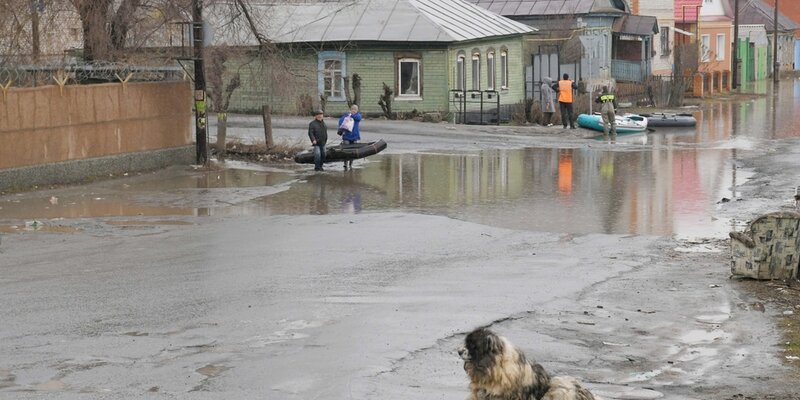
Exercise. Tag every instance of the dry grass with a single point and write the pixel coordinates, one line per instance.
(281, 151)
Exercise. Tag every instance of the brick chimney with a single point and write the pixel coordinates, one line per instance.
(635, 7)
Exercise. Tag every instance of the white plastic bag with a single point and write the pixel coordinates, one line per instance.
(347, 123)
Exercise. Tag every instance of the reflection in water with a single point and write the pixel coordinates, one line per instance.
(661, 191)
(769, 115)
(148, 195)
(671, 187)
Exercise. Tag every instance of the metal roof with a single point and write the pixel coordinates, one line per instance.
(521, 8)
(640, 25)
(362, 20)
(758, 13)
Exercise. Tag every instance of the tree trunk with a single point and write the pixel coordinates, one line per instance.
(347, 91)
(222, 135)
(94, 16)
(386, 101)
(265, 112)
(121, 23)
(35, 30)
(357, 90)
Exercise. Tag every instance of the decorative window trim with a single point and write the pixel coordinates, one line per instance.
(504, 84)
(408, 57)
(476, 69)
(461, 71)
(491, 70)
(416, 91)
(331, 56)
(720, 47)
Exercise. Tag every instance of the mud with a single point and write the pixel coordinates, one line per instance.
(241, 283)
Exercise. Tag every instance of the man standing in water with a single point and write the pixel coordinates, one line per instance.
(608, 112)
(318, 133)
(565, 87)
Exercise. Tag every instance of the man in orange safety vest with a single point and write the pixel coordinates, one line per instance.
(565, 87)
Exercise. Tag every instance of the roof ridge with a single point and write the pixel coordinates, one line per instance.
(427, 17)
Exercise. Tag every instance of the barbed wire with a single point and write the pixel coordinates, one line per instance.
(29, 75)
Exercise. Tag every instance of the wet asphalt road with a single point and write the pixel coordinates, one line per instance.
(374, 304)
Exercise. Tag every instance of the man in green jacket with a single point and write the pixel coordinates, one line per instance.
(608, 112)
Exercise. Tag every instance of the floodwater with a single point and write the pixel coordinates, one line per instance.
(667, 182)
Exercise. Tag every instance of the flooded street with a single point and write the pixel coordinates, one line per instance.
(603, 261)
(667, 182)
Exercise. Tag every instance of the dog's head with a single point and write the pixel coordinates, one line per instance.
(495, 366)
(482, 348)
(481, 344)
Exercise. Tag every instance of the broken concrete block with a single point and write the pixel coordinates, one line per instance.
(769, 248)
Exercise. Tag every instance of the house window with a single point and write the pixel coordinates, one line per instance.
(705, 47)
(490, 70)
(332, 70)
(664, 39)
(408, 77)
(461, 73)
(476, 71)
(504, 69)
(720, 46)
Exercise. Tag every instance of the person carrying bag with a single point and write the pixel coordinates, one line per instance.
(349, 130)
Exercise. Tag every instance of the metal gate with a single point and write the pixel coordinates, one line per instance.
(476, 107)
(546, 63)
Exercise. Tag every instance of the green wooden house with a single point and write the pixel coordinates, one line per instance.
(421, 50)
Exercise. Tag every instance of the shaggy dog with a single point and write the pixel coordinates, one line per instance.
(499, 371)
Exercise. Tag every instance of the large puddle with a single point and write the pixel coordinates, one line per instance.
(558, 190)
(661, 191)
(671, 186)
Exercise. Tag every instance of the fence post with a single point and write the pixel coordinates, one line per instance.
(697, 85)
(265, 113)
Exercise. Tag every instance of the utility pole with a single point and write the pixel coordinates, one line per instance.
(199, 83)
(776, 71)
(735, 53)
(35, 5)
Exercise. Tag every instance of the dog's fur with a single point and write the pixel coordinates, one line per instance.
(499, 371)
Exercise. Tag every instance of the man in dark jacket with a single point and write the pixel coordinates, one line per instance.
(318, 133)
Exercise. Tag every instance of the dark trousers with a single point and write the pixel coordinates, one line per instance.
(566, 114)
(349, 162)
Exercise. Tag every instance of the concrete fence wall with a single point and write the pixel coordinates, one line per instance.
(53, 128)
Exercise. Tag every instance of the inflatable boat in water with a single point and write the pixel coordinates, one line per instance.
(670, 120)
(628, 123)
(343, 152)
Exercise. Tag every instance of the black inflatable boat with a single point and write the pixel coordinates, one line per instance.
(669, 120)
(343, 152)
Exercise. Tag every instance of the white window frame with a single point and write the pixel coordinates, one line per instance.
(476, 71)
(720, 46)
(461, 72)
(503, 69)
(705, 44)
(416, 90)
(491, 71)
(324, 74)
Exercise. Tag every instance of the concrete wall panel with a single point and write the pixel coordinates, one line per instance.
(42, 126)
